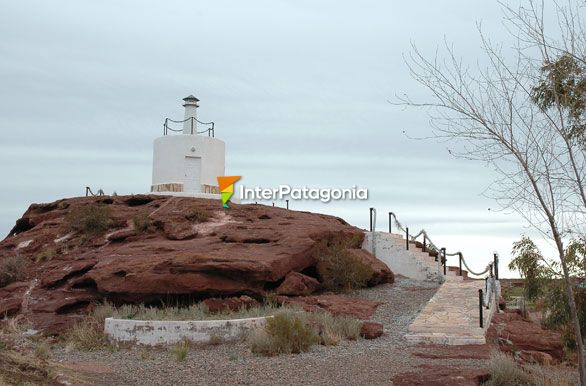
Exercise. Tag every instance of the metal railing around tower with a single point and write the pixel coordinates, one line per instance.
(192, 125)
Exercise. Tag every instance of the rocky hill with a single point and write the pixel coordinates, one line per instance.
(61, 257)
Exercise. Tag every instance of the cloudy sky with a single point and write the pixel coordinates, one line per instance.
(299, 90)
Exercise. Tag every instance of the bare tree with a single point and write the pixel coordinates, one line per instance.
(517, 115)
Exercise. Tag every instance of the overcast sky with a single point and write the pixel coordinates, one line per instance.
(298, 90)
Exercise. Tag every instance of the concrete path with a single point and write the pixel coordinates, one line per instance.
(452, 317)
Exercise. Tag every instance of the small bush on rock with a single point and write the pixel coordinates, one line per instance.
(46, 254)
(141, 222)
(285, 333)
(12, 269)
(90, 220)
(339, 269)
(198, 215)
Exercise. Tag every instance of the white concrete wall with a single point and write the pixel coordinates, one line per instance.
(169, 154)
(412, 263)
(162, 332)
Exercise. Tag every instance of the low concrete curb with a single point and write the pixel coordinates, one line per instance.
(164, 332)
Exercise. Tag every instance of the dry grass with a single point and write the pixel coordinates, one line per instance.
(198, 215)
(142, 223)
(88, 334)
(180, 350)
(20, 369)
(24, 361)
(504, 371)
(296, 331)
(339, 269)
(332, 329)
(285, 333)
(46, 254)
(12, 268)
(198, 311)
(43, 350)
(90, 220)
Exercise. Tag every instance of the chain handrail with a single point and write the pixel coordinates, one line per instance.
(210, 130)
(433, 246)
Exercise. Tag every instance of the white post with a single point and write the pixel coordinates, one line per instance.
(190, 124)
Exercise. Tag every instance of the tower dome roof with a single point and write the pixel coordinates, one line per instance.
(190, 98)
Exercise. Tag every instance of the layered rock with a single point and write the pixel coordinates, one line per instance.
(371, 330)
(297, 284)
(510, 331)
(178, 257)
(354, 306)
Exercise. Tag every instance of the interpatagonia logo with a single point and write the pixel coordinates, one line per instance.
(226, 185)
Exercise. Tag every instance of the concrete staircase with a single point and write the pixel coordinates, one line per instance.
(452, 316)
(413, 263)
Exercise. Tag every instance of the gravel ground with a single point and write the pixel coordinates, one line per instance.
(362, 362)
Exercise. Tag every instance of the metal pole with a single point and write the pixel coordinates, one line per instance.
(287, 204)
(390, 221)
(480, 307)
(370, 214)
(496, 266)
(460, 262)
(191, 125)
(444, 261)
(407, 237)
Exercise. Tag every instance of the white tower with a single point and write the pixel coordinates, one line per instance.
(186, 163)
(190, 117)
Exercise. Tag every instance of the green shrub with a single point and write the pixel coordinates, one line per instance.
(339, 269)
(141, 222)
(180, 350)
(285, 333)
(90, 220)
(12, 268)
(197, 214)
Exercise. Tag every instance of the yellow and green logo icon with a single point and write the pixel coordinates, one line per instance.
(226, 185)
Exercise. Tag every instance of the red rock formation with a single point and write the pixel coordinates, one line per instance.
(216, 305)
(437, 373)
(354, 306)
(244, 250)
(297, 284)
(371, 330)
(509, 330)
